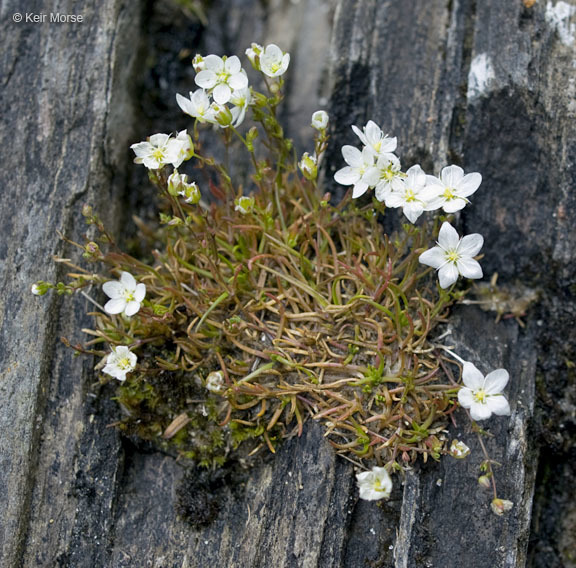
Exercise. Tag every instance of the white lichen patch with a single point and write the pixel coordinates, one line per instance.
(480, 76)
(559, 17)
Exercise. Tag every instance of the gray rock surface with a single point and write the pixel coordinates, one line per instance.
(488, 85)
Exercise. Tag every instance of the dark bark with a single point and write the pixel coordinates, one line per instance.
(487, 85)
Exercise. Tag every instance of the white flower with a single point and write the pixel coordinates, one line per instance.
(178, 185)
(158, 151)
(36, 290)
(222, 75)
(198, 63)
(273, 61)
(253, 53)
(501, 506)
(198, 106)
(120, 362)
(454, 256)
(452, 189)
(190, 192)
(215, 381)
(459, 450)
(244, 204)
(483, 395)
(126, 296)
(309, 166)
(241, 98)
(360, 171)
(388, 166)
(407, 194)
(375, 484)
(374, 139)
(320, 120)
(186, 148)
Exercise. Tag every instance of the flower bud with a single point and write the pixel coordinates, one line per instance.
(198, 63)
(176, 182)
(253, 53)
(484, 481)
(40, 288)
(222, 115)
(320, 120)
(190, 192)
(92, 251)
(501, 506)
(215, 382)
(308, 166)
(244, 204)
(459, 450)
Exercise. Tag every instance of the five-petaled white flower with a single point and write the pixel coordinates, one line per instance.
(373, 138)
(407, 193)
(125, 295)
(388, 166)
(375, 484)
(360, 171)
(198, 106)
(320, 120)
(483, 395)
(273, 61)
(158, 151)
(452, 189)
(120, 362)
(454, 256)
(222, 75)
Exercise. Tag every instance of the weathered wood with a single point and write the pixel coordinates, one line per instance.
(484, 84)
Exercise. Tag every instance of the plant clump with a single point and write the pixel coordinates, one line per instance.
(255, 308)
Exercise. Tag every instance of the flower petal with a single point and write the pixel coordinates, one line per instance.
(238, 81)
(140, 292)
(470, 245)
(347, 176)
(434, 257)
(447, 274)
(131, 308)
(465, 397)
(469, 184)
(451, 175)
(469, 268)
(352, 156)
(232, 65)
(454, 205)
(222, 93)
(496, 381)
(480, 411)
(113, 289)
(128, 280)
(115, 306)
(206, 79)
(472, 377)
(448, 237)
(359, 189)
(499, 405)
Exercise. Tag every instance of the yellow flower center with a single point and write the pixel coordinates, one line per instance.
(452, 256)
(158, 154)
(410, 195)
(480, 396)
(378, 485)
(448, 194)
(124, 363)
